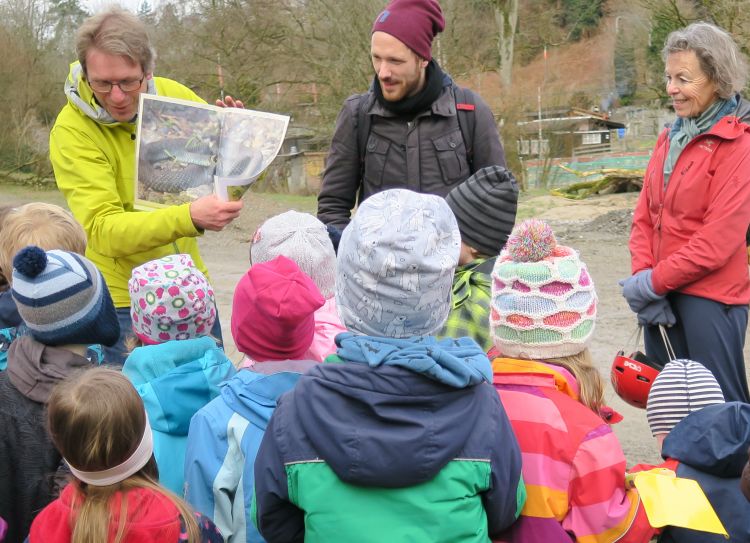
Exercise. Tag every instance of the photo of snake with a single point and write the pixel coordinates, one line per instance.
(177, 152)
(187, 150)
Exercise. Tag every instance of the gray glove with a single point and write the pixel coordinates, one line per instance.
(638, 290)
(658, 312)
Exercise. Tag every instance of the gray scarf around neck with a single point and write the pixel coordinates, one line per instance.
(685, 129)
(93, 110)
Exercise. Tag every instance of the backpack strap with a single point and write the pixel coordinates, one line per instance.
(465, 113)
(363, 127)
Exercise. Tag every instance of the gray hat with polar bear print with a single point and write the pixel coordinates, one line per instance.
(395, 265)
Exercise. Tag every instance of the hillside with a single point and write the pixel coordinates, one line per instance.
(586, 67)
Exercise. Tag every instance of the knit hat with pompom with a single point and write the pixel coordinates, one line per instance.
(543, 298)
(62, 298)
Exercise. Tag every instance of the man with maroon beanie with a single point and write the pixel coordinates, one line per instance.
(415, 128)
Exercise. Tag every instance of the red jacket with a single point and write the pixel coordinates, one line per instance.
(152, 517)
(692, 235)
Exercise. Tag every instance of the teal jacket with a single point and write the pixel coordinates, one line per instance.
(175, 379)
(404, 441)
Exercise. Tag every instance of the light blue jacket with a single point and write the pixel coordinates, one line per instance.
(175, 379)
(222, 444)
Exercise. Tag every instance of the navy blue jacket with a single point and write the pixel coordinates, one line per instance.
(711, 445)
(385, 419)
(9, 317)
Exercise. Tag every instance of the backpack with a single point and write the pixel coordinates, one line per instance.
(465, 109)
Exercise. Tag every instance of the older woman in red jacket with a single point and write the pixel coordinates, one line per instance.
(687, 243)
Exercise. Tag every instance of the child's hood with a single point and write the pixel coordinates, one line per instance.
(714, 439)
(254, 395)
(175, 379)
(35, 368)
(388, 425)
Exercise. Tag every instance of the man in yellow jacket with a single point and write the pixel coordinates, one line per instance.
(92, 149)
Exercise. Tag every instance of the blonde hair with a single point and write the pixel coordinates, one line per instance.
(116, 32)
(46, 225)
(590, 383)
(96, 420)
(4, 282)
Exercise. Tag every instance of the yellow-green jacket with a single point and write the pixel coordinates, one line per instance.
(93, 158)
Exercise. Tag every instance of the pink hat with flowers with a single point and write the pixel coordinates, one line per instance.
(543, 299)
(170, 299)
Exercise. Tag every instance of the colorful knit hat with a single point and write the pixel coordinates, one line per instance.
(170, 299)
(415, 23)
(396, 262)
(485, 208)
(543, 298)
(302, 238)
(62, 298)
(683, 386)
(273, 311)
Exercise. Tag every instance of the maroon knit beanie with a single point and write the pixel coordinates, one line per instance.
(413, 22)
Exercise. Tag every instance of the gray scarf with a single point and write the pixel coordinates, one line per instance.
(92, 109)
(685, 129)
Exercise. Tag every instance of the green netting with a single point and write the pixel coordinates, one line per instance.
(557, 177)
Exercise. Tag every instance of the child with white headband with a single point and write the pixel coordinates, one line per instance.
(66, 306)
(98, 423)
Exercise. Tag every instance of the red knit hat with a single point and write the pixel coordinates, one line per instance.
(413, 22)
(273, 311)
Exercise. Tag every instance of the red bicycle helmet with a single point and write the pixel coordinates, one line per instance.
(632, 377)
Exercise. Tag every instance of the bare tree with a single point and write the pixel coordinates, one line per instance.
(506, 19)
(36, 38)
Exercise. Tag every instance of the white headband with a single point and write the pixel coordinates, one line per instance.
(119, 473)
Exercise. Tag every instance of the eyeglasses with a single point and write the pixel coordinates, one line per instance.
(126, 85)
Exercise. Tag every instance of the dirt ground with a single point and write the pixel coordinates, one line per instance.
(598, 228)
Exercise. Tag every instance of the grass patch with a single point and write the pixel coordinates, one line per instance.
(18, 194)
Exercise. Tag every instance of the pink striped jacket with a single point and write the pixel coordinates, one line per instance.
(573, 465)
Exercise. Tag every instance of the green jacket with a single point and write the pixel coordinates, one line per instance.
(94, 165)
(470, 299)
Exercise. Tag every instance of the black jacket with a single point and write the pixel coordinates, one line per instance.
(426, 154)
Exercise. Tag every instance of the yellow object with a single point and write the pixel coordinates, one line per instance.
(673, 501)
(94, 165)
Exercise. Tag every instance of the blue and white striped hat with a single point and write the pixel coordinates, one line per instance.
(683, 386)
(63, 299)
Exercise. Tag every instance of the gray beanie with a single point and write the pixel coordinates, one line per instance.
(396, 263)
(485, 208)
(302, 238)
(683, 386)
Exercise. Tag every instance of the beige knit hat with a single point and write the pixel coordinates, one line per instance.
(543, 298)
(302, 238)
